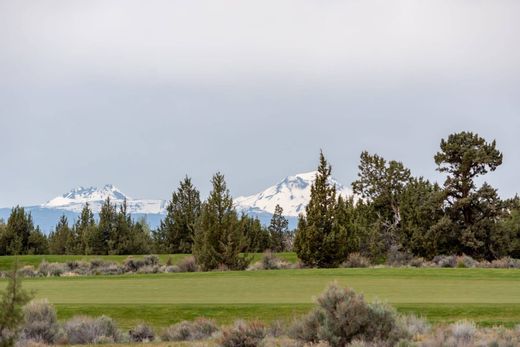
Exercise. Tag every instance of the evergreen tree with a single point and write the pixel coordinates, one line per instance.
(60, 239)
(256, 235)
(472, 212)
(140, 240)
(37, 243)
(11, 304)
(319, 240)
(82, 232)
(176, 230)
(100, 239)
(219, 240)
(381, 184)
(17, 232)
(278, 230)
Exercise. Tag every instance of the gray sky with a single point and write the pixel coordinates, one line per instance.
(139, 93)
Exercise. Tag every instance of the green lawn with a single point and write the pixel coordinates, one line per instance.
(488, 296)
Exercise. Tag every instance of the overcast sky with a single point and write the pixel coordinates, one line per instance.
(140, 93)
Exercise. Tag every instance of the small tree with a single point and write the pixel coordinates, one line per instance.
(278, 230)
(219, 239)
(176, 230)
(319, 240)
(11, 308)
(59, 240)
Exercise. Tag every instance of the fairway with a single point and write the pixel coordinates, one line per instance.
(488, 296)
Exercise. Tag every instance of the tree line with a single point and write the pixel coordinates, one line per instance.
(393, 214)
(212, 229)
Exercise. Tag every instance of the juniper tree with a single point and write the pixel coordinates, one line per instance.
(15, 238)
(381, 184)
(257, 237)
(176, 230)
(60, 238)
(11, 314)
(278, 230)
(472, 211)
(82, 230)
(218, 239)
(319, 240)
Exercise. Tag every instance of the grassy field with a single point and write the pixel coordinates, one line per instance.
(6, 262)
(487, 296)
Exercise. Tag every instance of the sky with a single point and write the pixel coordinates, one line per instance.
(141, 93)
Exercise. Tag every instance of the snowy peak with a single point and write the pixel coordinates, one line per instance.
(292, 194)
(76, 198)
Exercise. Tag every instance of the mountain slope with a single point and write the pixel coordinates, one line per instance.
(292, 194)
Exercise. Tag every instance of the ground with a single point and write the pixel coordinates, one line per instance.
(487, 296)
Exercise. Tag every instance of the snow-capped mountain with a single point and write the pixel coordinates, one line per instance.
(292, 194)
(76, 199)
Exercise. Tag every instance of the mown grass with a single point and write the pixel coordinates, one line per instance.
(487, 296)
(6, 262)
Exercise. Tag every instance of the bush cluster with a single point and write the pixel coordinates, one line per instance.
(342, 316)
(199, 329)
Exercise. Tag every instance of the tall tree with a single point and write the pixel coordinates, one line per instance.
(464, 157)
(381, 184)
(278, 230)
(219, 240)
(100, 239)
(82, 232)
(19, 226)
(11, 304)
(176, 230)
(60, 238)
(319, 241)
(256, 235)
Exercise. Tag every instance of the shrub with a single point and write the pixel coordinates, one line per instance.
(132, 265)
(199, 329)
(41, 323)
(506, 263)
(151, 260)
(79, 267)
(445, 260)
(85, 330)
(171, 268)
(270, 262)
(142, 333)
(417, 262)
(463, 331)
(396, 257)
(27, 271)
(51, 269)
(356, 260)
(110, 269)
(414, 325)
(243, 334)
(342, 316)
(188, 264)
(148, 269)
(465, 261)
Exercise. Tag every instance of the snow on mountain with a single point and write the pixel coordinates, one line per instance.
(76, 199)
(292, 194)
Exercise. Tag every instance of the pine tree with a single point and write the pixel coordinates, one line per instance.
(219, 240)
(319, 240)
(278, 230)
(176, 230)
(100, 238)
(38, 242)
(257, 236)
(11, 304)
(18, 230)
(59, 240)
(473, 212)
(82, 231)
